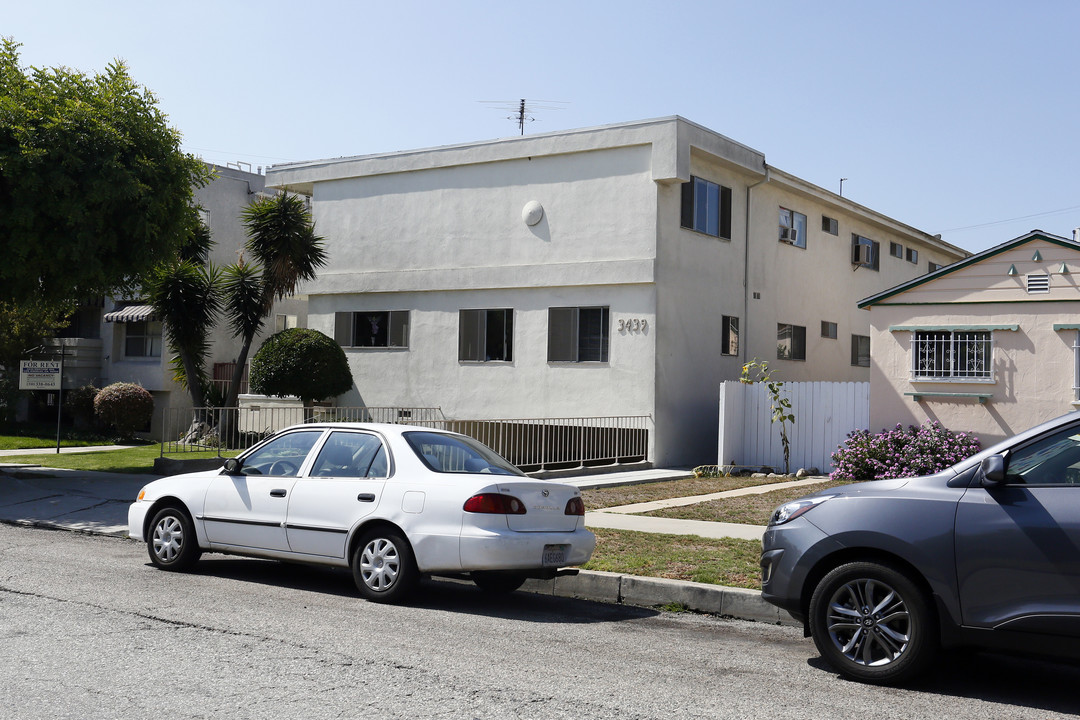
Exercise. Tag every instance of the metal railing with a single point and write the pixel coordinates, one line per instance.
(238, 428)
(560, 443)
(529, 443)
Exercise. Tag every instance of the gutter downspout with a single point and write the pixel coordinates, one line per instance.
(745, 330)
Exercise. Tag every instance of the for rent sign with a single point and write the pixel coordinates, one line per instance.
(39, 375)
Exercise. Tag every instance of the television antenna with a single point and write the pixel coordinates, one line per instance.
(523, 109)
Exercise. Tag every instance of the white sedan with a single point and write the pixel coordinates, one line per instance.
(390, 502)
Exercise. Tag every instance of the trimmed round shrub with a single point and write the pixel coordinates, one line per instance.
(901, 452)
(126, 407)
(300, 362)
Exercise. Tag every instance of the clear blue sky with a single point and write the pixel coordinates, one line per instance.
(958, 118)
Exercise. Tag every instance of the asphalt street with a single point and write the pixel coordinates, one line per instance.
(88, 629)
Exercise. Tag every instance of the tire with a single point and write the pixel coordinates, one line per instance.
(498, 582)
(171, 540)
(383, 566)
(872, 623)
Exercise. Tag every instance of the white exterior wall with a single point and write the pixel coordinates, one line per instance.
(435, 231)
(428, 373)
(437, 241)
(819, 283)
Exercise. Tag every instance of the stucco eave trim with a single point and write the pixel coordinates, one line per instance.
(970, 260)
(953, 328)
(1066, 326)
(951, 303)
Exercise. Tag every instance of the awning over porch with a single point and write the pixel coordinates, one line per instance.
(131, 313)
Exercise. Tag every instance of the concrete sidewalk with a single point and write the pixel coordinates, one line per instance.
(97, 502)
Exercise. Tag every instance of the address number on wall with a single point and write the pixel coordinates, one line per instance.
(635, 325)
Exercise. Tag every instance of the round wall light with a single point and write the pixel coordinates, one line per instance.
(532, 213)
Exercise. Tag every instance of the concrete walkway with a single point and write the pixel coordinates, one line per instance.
(63, 450)
(97, 502)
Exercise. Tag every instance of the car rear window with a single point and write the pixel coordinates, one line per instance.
(458, 454)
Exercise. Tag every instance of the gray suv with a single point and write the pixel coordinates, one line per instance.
(985, 554)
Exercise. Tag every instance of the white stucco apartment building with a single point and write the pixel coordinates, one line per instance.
(618, 270)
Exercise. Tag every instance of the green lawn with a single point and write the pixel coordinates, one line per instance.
(723, 561)
(130, 460)
(18, 442)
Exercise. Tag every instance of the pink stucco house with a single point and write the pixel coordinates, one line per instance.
(988, 345)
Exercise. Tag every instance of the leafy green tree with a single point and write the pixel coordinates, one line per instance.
(300, 362)
(286, 250)
(94, 189)
(23, 326)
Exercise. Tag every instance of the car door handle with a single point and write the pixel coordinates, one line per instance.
(366, 497)
(278, 492)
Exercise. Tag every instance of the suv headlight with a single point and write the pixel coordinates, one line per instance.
(795, 508)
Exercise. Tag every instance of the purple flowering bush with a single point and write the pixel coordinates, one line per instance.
(900, 452)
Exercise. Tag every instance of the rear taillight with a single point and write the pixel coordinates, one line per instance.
(575, 506)
(494, 504)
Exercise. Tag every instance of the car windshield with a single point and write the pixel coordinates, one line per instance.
(282, 455)
(458, 454)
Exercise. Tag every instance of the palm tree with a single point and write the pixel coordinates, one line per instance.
(185, 295)
(286, 251)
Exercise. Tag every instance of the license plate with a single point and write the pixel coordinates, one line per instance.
(555, 555)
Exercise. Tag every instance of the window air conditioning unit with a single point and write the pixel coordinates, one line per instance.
(860, 254)
(790, 235)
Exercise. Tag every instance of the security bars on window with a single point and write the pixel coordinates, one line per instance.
(952, 355)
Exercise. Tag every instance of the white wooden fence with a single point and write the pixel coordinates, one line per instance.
(825, 412)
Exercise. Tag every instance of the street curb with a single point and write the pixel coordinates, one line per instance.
(605, 587)
(618, 589)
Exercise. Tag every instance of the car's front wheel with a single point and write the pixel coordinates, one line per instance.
(873, 623)
(383, 566)
(171, 541)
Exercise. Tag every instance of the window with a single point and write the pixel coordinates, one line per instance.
(578, 334)
(896, 250)
(389, 329)
(1038, 284)
(932, 266)
(706, 207)
(485, 335)
(1076, 367)
(729, 335)
(284, 322)
(860, 350)
(790, 342)
(951, 355)
(792, 228)
(1053, 460)
(913, 256)
(864, 252)
(457, 454)
(829, 225)
(142, 338)
(828, 329)
(354, 455)
(283, 456)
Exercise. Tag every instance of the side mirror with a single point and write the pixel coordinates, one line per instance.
(232, 466)
(992, 470)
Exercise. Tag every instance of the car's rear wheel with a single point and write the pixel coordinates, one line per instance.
(498, 582)
(171, 541)
(873, 623)
(383, 566)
